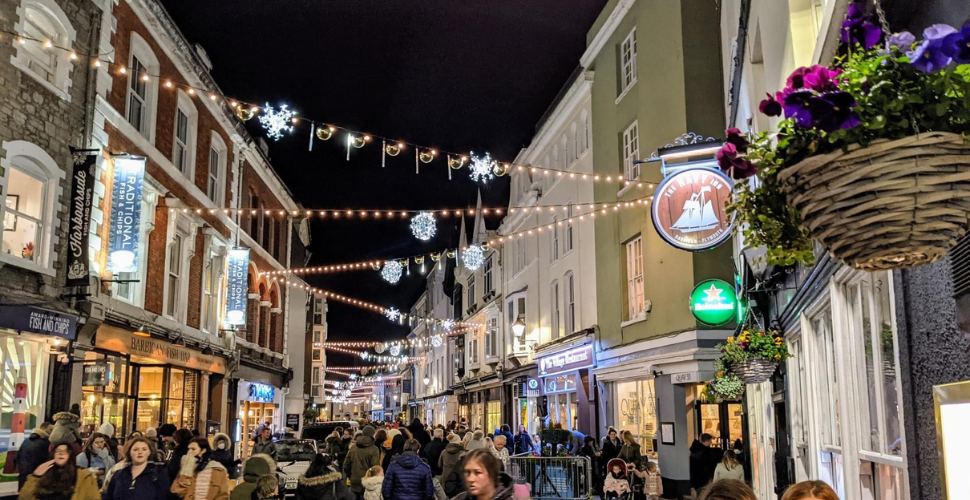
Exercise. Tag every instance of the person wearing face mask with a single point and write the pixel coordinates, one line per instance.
(138, 478)
(200, 477)
(60, 479)
(96, 455)
(222, 454)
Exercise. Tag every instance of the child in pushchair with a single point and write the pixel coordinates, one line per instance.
(617, 484)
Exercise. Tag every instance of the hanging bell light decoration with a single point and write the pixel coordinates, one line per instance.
(394, 149)
(375, 266)
(500, 169)
(456, 162)
(427, 156)
(245, 114)
(325, 133)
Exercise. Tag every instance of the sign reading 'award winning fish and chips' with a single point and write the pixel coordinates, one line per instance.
(689, 209)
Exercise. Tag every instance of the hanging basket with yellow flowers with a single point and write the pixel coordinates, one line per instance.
(753, 355)
(725, 386)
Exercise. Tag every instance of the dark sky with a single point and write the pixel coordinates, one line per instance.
(453, 74)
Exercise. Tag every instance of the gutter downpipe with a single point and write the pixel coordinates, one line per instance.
(735, 90)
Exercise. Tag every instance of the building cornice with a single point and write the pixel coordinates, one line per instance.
(605, 33)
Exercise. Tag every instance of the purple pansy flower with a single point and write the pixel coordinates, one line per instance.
(859, 28)
(770, 106)
(799, 107)
(903, 40)
(836, 113)
(796, 80)
(734, 136)
(729, 162)
(928, 56)
(821, 79)
(957, 45)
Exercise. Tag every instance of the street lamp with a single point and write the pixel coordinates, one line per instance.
(518, 328)
(426, 380)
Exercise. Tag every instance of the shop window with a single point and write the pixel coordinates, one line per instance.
(494, 418)
(636, 307)
(142, 93)
(636, 403)
(150, 395)
(30, 178)
(27, 359)
(43, 21)
(183, 394)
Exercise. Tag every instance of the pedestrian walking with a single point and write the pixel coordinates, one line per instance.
(65, 431)
(222, 454)
(432, 452)
(418, 432)
(108, 429)
(653, 483)
(500, 451)
(630, 452)
(264, 443)
(729, 489)
(450, 457)
(96, 456)
(321, 482)
(34, 451)
(397, 448)
(255, 467)
(509, 438)
(200, 477)
(484, 478)
(523, 442)
(810, 490)
(729, 468)
(592, 452)
(610, 448)
(408, 477)
(138, 478)
(477, 441)
(362, 457)
(703, 461)
(373, 481)
(336, 446)
(180, 440)
(166, 442)
(60, 479)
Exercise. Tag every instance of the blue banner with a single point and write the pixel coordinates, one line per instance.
(238, 288)
(126, 195)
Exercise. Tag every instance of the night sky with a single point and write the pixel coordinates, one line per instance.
(458, 75)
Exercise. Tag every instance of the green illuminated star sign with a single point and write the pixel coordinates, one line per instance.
(714, 302)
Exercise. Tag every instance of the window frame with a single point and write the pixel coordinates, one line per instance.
(185, 106)
(210, 318)
(554, 248)
(491, 337)
(631, 151)
(217, 181)
(140, 49)
(635, 310)
(183, 228)
(555, 321)
(569, 302)
(472, 289)
(628, 61)
(66, 37)
(487, 281)
(568, 242)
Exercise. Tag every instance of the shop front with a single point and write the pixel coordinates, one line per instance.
(564, 381)
(258, 401)
(31, 341)
(136, 382)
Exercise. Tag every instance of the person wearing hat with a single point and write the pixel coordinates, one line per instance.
(256, 466)
(363, 456)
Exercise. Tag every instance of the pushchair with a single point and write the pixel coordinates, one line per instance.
(617, 485)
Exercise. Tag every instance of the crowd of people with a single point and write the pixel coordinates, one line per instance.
(377, 462)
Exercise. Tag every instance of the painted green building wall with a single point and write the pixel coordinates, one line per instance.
(678, 90)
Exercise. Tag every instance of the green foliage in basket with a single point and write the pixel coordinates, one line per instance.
(724, 386)
(877, 90)
(750, 345)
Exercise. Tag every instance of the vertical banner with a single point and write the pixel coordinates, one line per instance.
(126, 195)
(238, 288)
(79, 225)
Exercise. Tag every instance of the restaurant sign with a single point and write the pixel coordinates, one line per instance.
(689, 209)
(261, 392)
(238, 287)
(573, 359)
(125, 223)
(35, 320)
(156, 351)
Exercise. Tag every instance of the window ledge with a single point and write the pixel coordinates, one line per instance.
(59, 92)
(12, 260)
(625, 91)
(639, 319)
(626, 189)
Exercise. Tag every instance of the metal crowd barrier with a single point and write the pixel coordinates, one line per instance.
(561, 478)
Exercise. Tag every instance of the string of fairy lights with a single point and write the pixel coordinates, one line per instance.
(276, 122)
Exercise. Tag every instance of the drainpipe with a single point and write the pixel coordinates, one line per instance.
(742, 42)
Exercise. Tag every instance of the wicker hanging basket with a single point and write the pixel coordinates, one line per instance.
(892, 205)
(754, 370)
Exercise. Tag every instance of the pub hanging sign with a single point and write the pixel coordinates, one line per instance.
(689, 209)
(126, 197)
(79, 223)
(238, 287)
(714, 302)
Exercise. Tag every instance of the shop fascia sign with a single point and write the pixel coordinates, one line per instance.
(125, 224)
(261, 392)
(714, 302)
(32, 319)
(573, 359)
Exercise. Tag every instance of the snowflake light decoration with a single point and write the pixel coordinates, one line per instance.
(473, 257)
(392, 272)
(423, 226)
(481, 167)
(448, 324)
(363, 355)
(392, 314)
(436, 341)
(276, 122)
(395, 349)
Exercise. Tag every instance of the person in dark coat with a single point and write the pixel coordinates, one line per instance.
(509, 438)
(182, 438)
(397, 449)
(33, 452)
(523, 442)
(221, 445)
(703, 461)
(337, 447)
(630, 452)
(454, 481)
(361, 457)
(609, 450)
(418, 432)
(484, 478)
(449, 459)
(320, 482)
(408, 478)
(139, 478)
(432, 452)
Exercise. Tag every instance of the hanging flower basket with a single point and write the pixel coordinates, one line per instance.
(754, 370)
(891, 205)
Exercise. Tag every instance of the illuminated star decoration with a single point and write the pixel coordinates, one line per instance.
(713, 294)
(436, 341)
(423, 226)
(473, 257)
(392, 314)
(395, 349)
(481, 167)
(392, 271)
(276, 122)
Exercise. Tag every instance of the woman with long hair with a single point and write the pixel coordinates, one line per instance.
(320, 482)
(139, 478)
(61, 479)
(96, 454)
(810, 490)
(729, 468)
(484, 478)
(200, 477)
(630, 452)
(727, 489)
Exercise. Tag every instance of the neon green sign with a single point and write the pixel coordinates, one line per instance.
(714, 302)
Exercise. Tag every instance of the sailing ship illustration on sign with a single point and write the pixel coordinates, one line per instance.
(698, 214)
